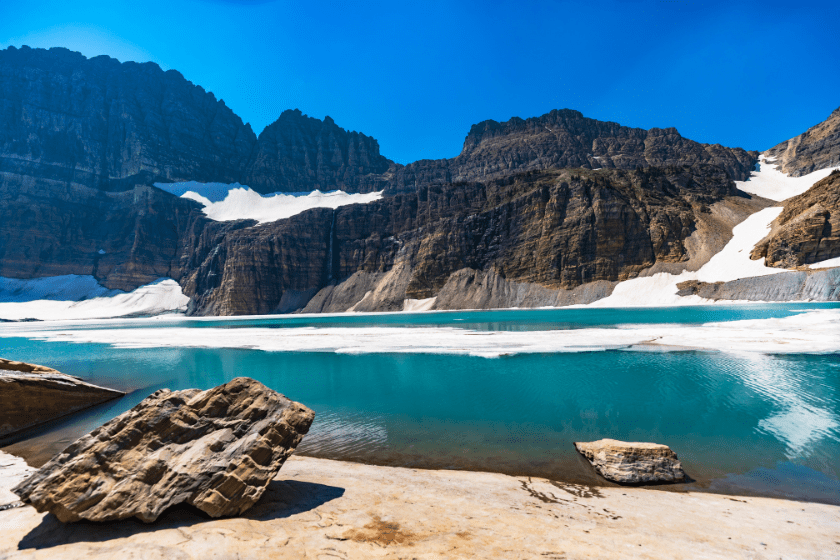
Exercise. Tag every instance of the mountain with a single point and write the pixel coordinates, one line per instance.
(816, 148)
(808, 229)
(550, 210)
(109, 125)
(297, 153)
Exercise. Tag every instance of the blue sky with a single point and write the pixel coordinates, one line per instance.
(417, 76)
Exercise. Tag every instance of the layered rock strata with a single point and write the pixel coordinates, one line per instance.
(31, 395)
(816, 148)
(632, 463)
(811, 285)
(808, 229)
(567, 139)
(216, 450)
(555, 229)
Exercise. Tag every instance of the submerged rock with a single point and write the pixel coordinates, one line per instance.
(632, 463)
(216, 450)
(31, 394)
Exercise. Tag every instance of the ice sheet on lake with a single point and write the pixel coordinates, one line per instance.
(813, 332)
(82, 297)
(224, 202)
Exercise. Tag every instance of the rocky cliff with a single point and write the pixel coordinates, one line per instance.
(297, 153)
(111, 125)
(816, 148)
(564, 139)
(808, 229)
(554, 229)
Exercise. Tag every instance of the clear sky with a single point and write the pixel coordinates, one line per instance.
(415, 77)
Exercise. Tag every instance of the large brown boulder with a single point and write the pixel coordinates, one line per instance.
(632, 463)
(31, 394)
(216, 450)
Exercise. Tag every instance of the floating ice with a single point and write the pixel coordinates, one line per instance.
(814, 332)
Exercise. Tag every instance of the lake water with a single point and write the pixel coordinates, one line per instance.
(744, 422)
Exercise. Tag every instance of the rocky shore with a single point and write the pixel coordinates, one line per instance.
(318, 508)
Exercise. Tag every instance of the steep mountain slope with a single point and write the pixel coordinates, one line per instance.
(297, 153)
(562, 139)
(556, 229)
(808, 229)
(111, 126)
(816, 148)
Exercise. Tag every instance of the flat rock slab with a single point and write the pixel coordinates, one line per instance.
(632, 462)
(332, 510)
(31, 395)
(216, 450)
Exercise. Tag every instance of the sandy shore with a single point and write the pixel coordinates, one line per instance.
(324, 509)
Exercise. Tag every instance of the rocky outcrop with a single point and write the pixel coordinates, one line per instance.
(216, 450)
(111, 125)
(808, 229)
(632, 463)
(566, 139)
(297, 153)
(31, 395)
(555, 229)
(816, 148)
(811, 285)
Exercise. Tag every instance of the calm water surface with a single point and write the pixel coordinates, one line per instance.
(746, 423)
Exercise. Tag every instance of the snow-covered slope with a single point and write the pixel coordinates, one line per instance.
(82, 297)
(771, 183)
(733, 262)
(223, 202)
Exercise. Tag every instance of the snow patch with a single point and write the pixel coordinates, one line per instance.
(771, 183)
(82, 297)
(225, 202)
(830, 263)
(813, 332)
(731, 263)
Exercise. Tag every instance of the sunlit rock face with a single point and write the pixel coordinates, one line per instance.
(808, 229)
(31, 394)
(216, 450)
(816, 148)
(632, 463)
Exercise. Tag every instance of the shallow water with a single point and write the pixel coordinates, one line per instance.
(740, 422)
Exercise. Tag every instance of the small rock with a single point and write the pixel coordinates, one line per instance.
(216, 450)
(632, 463)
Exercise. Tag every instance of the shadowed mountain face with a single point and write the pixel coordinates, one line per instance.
(112, 126)
(816, 148)
(562, 139)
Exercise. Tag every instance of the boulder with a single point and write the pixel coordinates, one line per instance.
(632, 462)
(31, 394)
(216, 450)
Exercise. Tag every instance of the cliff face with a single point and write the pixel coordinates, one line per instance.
(816, 148)
(112, 126)
(298, 153)
(564, 139)
(556, 229)
(808, 229)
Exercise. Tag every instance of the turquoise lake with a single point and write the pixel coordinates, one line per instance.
(742, 423)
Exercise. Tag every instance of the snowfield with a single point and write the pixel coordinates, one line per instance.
(82, 297)
(769, 182)
(224, 202)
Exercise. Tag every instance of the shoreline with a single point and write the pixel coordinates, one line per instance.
(348, 510)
